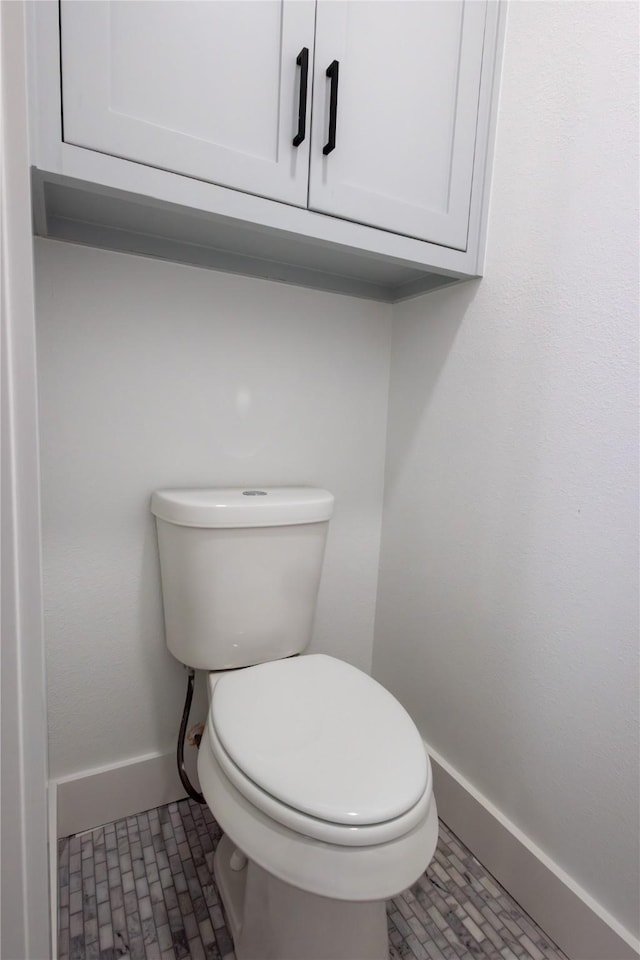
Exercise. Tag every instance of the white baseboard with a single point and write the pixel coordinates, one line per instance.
(109, 793)
(568, 914)
(573, 919)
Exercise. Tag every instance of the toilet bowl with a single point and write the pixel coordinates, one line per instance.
(319, 778)
(316, 774)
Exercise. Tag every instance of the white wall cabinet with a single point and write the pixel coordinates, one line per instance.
(409, 80)
(205, 89)
(333, 143)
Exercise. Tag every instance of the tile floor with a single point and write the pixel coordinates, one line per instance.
(143, 888)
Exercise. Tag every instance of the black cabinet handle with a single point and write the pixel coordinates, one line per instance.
(332, 72)
(303, 63)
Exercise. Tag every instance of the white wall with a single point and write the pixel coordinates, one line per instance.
(508, 599)
(154, 374)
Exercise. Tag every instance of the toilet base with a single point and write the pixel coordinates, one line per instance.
(271, 920)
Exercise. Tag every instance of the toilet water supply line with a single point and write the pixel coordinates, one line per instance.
(186, 783)
(238, 860)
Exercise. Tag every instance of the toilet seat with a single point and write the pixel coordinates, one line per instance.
(322, 749)
(356, 873)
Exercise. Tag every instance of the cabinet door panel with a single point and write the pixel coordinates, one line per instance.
(409, 79)
(206, 89)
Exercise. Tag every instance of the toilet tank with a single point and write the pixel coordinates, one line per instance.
(240, 571)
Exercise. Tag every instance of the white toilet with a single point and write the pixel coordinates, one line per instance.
(316, 774)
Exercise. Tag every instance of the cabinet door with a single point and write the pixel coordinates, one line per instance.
(407, 105)
(206, 89)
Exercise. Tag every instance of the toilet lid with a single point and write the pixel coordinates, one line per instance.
(323, 737)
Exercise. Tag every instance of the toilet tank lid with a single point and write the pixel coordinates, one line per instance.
(242, 506)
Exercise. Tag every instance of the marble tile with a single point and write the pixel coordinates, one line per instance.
(143, 888)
